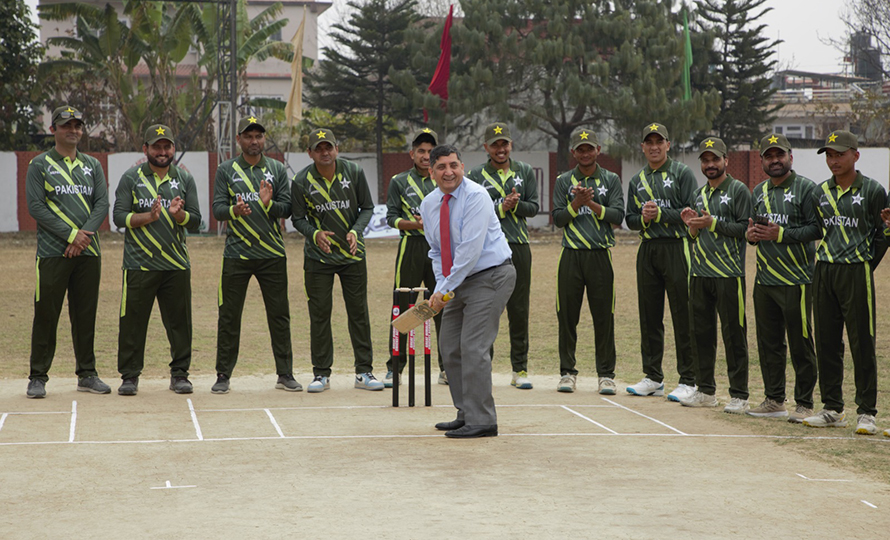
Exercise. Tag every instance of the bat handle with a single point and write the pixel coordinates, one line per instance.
(448, 296)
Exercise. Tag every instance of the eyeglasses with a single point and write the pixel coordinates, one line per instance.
(66, 115)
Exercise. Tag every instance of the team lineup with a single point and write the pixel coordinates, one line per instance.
(816, 247)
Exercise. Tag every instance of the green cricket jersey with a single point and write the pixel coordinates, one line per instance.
(499, 184)
(790, 205)
(672, 186)
(159, 245)
(582, 229)
(65, 196)
(341, 205)
(850, 221)
(406, 192)
(258, 235)
(720, 249)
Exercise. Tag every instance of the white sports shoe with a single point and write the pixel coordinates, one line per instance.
(607, 386)
(367, 381)
(865, 425)
(646, 387)
(319, 384)
(736, 406)
(521, 380)
(566, 383)
(681, 392)
(826, 418)
(700, 399)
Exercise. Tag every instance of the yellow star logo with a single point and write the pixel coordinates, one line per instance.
(584, 135)
(653, 127)
(832, 138)
(709, 143)
(252, 119)
(773, 139)
(498, 130)
(160, 131)
(427, 130)
(320, 135)
(69, 109)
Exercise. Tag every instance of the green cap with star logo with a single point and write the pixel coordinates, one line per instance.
(714, 145)
(655, 127)
(65, 114)
(583, 136)
(424, 135)
(774, 140)
(250, 122)
(321, 135)
(497, 132)
(158, 132)
(840, 141)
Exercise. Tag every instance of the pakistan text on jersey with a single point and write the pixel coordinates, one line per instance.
(332, 205)
(841, 220)
(584, 210)
(146, 203)
(779, 219)
(250, 196)
(663, 203)
(73, 190)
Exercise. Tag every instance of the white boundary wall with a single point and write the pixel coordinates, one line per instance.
(9, 218)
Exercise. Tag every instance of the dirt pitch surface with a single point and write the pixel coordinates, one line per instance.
(263, 463)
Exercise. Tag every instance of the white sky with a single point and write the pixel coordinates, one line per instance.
(802, 24)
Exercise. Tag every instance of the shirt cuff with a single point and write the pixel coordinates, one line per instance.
(396, 222)
(658, 217)
(186, 220)
(571, 210)
(713, 225)
(232, 212)
(267, 207)
(127, 221)
(313, 237)
(602, 213)
(501, 212)
(781, 234)
(74, 232)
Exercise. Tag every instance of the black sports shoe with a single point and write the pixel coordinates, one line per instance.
(287, 382)
(129, 387)
(93, 384)
(222, 384)
(36, 389)
(180, 385)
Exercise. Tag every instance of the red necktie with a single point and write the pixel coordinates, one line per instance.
(445, 235)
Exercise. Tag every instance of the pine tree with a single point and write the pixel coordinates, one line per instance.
(741, 66)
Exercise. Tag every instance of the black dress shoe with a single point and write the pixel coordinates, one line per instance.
(473, 432)
(449, 426)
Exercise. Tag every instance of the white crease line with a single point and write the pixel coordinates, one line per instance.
(576, 413)
(39, 412)
(274, 423)
(863, 501)
(73, 421)
(386, 407)
(822, 479)
(3, 420)
(644, 416)
(168, 485)
(311, 437)
(195, 421)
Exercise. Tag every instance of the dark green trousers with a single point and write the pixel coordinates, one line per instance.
(844, 294)
(78, 277)
(413, 267)
(271, 274)
(777, 310)
(518, 307)
(708, 298)
(663, 268)
(319, 284)
(591, 269)
(173, 289)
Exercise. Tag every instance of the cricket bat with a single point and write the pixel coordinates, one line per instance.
(415, 316)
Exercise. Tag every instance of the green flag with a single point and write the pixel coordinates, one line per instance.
(687, 61)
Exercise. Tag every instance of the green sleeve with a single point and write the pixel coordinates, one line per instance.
(37, 207)
(281, 206)
(100, 198)
(614, 210)
(562, 213)
(192, 206)
(634, 214)
(875, 205)
(528, 206)
(221, 208)
(123, 201)
(393, 203)
(299, 213)
(365, 203)
(687, 185)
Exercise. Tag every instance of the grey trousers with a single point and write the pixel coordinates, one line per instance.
(469, 328)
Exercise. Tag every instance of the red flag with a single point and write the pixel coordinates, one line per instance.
(439, 85)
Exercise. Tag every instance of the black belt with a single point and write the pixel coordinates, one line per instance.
(505, 263)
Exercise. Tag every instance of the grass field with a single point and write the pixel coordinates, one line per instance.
(17, 269)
